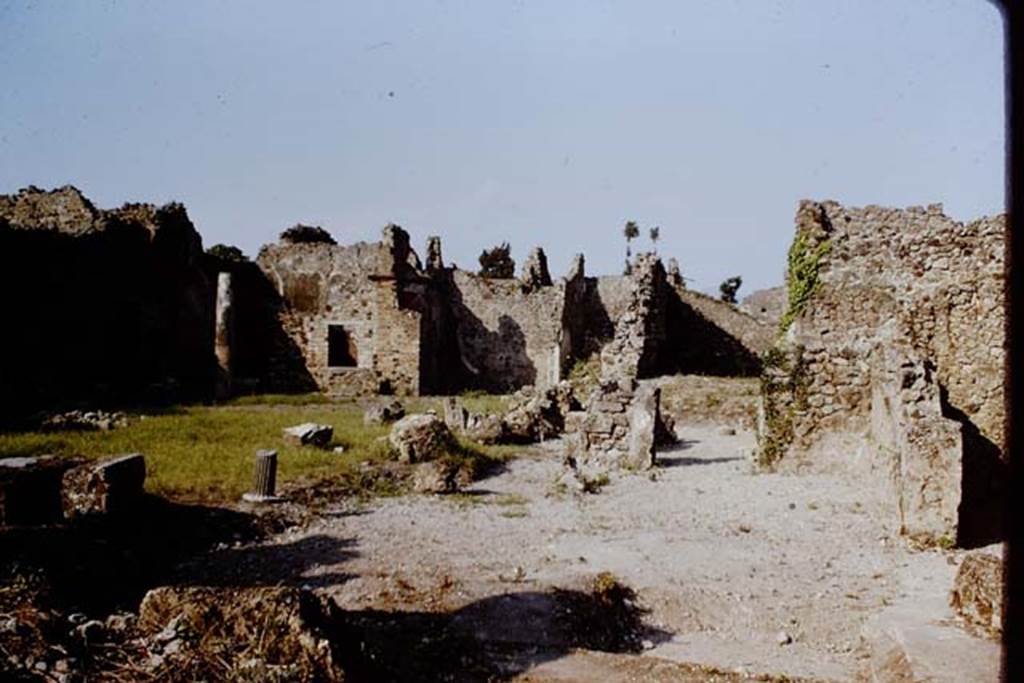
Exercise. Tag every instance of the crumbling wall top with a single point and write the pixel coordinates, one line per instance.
(535, 270)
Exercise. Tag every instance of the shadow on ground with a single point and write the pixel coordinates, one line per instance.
(278, 564)
(98, 565)
(494, 639)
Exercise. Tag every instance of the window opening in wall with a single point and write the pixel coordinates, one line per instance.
(341, 348)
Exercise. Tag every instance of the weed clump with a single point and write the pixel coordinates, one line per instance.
(805, 258)
(783, 394)
(606, 618)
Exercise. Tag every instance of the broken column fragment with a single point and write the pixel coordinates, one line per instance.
(264, 478)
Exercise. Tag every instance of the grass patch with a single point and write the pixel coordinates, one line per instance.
(464, 500)
(205, 454)
(480, 402)
(474, 401)
(474, 460)
(515, 513)
(313, 398)
(586, 372)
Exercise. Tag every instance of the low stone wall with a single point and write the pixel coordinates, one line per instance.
(618, 430)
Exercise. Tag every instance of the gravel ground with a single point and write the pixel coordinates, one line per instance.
(756, 572)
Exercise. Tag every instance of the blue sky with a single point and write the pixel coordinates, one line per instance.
(540, 123)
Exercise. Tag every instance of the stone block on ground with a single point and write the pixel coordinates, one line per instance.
(643, 422)
(455, 415)
(30, 490)
(384, 412)
(485, 429)
(436, 476)
(417, 438)
(109, 486)
(977, 593)
(308, 434)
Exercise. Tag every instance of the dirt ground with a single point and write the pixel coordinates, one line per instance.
(736, 571)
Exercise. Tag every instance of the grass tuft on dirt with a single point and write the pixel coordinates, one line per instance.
(205, 453)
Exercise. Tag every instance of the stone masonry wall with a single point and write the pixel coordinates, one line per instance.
(322, 285)
(508, 337)
(100, 305)
(754, 334)
(865, 281)
(767, 305)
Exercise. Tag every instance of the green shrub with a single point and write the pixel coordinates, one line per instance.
(497, 262)
(802, 275)
(306, 234)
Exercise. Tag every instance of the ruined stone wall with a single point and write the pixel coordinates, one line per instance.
(767, 305)
(321, 285)
(719, 338)
(754, 334)
(640, 342)
(606, 300)
(100, 305)
(508, 337)
(866, 280)
(397, 348)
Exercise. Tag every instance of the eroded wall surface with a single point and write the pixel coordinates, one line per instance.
(877, 279)
(508, 337)
(321, 285)
(112, 302)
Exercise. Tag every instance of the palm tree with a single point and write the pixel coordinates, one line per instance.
(631, 231)
(655, 233)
